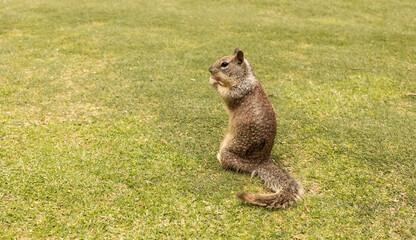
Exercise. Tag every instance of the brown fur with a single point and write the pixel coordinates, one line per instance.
(251, 131)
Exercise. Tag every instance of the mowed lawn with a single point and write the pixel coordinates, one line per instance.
(109, 128)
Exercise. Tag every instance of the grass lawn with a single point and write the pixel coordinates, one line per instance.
(109, 128)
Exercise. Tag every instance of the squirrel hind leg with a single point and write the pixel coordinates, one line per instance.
(232, 161)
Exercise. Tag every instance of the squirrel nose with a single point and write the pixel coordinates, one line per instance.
(210, 69)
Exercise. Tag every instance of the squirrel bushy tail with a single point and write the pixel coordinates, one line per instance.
(287, 190)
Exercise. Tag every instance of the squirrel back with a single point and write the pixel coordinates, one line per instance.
(251, 131)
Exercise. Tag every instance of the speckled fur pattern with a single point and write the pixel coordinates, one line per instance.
(251, 131)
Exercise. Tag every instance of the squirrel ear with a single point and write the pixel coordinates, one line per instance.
(239, 56)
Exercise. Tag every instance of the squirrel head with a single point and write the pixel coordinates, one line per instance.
(229, 70)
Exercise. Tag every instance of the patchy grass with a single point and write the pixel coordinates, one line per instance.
(109, 129)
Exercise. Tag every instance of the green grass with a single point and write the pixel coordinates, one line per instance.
(109, 128)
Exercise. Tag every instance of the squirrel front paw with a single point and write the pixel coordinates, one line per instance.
(218, 157)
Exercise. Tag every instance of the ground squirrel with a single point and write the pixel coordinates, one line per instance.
(251, 130)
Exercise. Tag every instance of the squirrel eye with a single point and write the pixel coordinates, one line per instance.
(224, 64)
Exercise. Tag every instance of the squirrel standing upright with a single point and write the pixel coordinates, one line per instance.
(251, 130)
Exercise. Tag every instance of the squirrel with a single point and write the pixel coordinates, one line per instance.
(251, 131)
